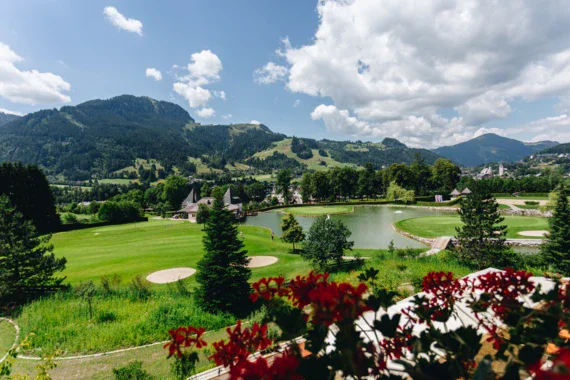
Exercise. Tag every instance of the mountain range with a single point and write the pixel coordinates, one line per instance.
(491, 148)
(110, 138)
(100, 138)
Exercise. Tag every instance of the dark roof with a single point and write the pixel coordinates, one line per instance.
(190, 199)
(230, 197)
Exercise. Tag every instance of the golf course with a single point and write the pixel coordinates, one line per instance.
(444, 225)
(318, 210)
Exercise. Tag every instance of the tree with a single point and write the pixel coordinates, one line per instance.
(203, 214)
(327, 240)
(174, 191)
(87, 291)
(481, 240)
(255, 191)
(398, 193)
(366, 180)
(422, 174)
(556, 250)
(283, 184)
(445, 175)
(27, 261)
(307, 188)
(205, 190)
(218, 192)
(223, 272)
(292, 231)
(30, 192)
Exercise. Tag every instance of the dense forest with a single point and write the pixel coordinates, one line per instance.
(7, 117)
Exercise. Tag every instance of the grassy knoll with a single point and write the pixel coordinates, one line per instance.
(7, 336)
(118, 181)
(318, 210)
(434, 226)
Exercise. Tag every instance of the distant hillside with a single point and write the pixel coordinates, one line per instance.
(126, 135)
(561, 148)
(7, 117)
(491, 148)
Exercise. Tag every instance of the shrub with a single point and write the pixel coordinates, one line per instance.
(70, 218)
(110, 284)
(132, 371)
(531, 203)
(118, 212)
(106, 316)
(140, 287)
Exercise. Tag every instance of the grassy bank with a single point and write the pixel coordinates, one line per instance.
(7, 336)
(318, 210)
(434, 226)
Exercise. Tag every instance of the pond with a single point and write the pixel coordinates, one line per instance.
(370, 225)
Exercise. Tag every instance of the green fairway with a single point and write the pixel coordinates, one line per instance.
(318, 210)
(143, 248)
(434, 226)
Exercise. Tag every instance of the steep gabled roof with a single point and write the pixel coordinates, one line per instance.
(190, 199)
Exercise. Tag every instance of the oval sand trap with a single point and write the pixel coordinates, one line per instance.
(533, 233)
(170, 275)
(261, 261)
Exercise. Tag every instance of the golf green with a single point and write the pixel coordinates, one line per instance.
(434, 226)
(318, 210)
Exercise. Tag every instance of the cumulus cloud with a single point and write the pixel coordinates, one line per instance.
(297, 102)
(206, 113)
(227, 117)
(154, 73)
(555, 128)
(121, 22)
(270, 73)
(8, 112)
(29, 87)
(395, 63)
(204, 68)
(255, 122)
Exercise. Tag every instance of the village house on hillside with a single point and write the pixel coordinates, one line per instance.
(190, 205)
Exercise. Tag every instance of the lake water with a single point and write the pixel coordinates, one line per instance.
(370, 225)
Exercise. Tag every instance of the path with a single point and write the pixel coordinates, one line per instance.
(15, 338)
(438, 245)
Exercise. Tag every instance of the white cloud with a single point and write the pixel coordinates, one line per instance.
(121, 22)
(203, 69)
(297, 102)
(220, 94)
(196, 96)
(227, 117)
(206, 113)
(29, 87)
(154, 73)
(555, 128)
(4, 110)
(255, 122)
(270, 73)
(399, 63)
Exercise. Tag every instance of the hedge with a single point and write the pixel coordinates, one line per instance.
(82, 226)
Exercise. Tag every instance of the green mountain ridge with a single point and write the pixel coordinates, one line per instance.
(5, 118)
(491, 148)
(100, 137)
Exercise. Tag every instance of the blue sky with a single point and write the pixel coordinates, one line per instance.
(447, 72)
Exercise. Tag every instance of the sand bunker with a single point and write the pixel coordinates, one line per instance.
(533, 233)
(261, 261)
(170, 275)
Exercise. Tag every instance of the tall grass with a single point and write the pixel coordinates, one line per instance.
(120, 320)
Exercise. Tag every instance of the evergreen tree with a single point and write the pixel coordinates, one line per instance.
(223, 273)
(481, 240)
(27, 261)
(283, 183)
(556, 250)
(292, 230)
(203, 214)
(327, 240)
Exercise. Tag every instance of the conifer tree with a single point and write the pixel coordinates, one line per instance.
(27, 261)
(481, 240)
(223, 273)
(556, 250)
(292, 230)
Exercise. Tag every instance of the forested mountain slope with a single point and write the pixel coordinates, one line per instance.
(7, 117)
(491, 148)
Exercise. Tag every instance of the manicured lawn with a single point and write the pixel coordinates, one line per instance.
(434, 226)
(504, 207)
(318, 210)
(143, 248)
(529, 207)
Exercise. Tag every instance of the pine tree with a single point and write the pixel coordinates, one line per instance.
(27, 261)
(556, 250)
(223, 273)
(292, 230)
(481, 240)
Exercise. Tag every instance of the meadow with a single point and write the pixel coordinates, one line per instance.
(435, 226)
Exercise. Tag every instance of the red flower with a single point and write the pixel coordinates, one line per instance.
(282, 368)
(187, 337)
(263, 288)
(560, 369)
(300, 287)
(336, 302)
(240, 345)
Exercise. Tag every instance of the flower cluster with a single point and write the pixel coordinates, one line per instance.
(301, 287)
(263, 288)
(185, 337)
(337, 302)
(284, 367)
(241, 344)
